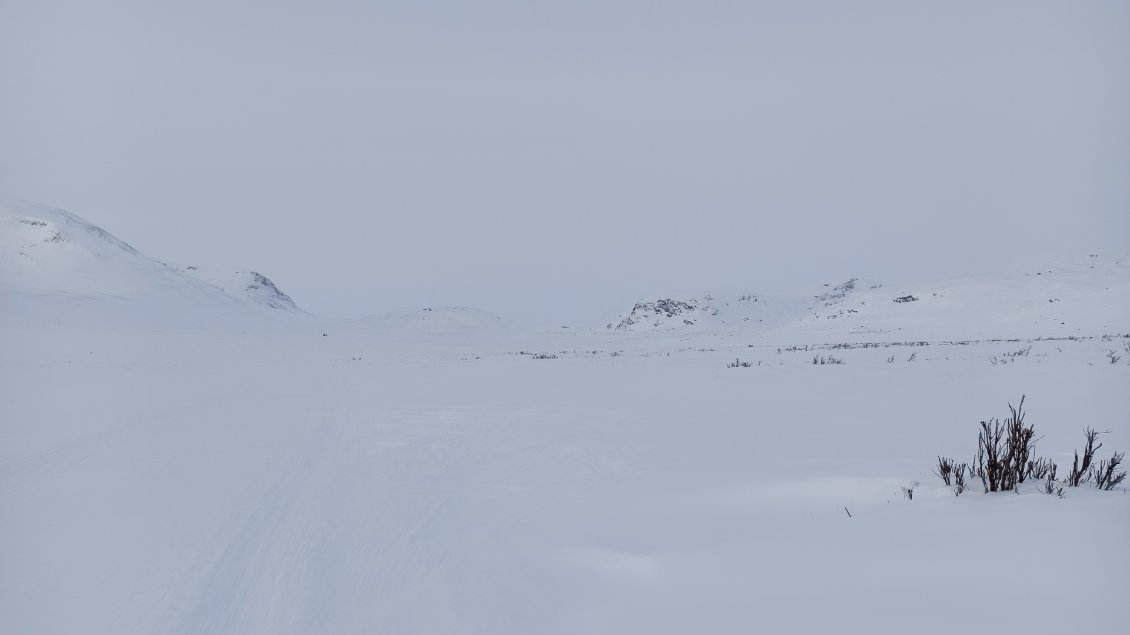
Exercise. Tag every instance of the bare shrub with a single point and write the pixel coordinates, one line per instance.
(1051, 486)
(1006, 457)
(1010, 357)
(1080, 472)
(1105, 476)
(1021, 441)
(991, 455)
(1004, 450)
(959, 478)
(822, 360)
(945, 469)
(1040, 468)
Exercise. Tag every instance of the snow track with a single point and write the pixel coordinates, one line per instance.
(256, 583)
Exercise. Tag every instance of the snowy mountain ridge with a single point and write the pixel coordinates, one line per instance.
(249, 285)
(1071, 297)
(48, 252)
(744, 311)
(700, 312)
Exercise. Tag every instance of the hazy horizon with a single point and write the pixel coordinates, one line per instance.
(554, 164)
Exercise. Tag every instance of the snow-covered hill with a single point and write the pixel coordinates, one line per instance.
(746, 312)
(1091, 296)
(53, 261)
(707, 311)
(248, 285)
(1082, 297)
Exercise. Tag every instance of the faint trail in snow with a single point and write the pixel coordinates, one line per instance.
(254, 584)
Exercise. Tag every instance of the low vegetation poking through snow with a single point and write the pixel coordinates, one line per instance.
(1005, 458)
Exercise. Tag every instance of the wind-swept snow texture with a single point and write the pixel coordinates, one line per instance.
(340, 477)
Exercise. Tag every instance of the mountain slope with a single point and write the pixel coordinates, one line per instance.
(251, 286)
(1090, 296)
(58, 261)
(746, 312)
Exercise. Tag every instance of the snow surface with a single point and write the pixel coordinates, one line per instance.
(435, 320)
(442, 472)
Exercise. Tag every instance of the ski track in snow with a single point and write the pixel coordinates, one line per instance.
(252, 584)
(261, 582)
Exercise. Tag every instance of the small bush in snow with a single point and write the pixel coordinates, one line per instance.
(1105, 476)
(1080, 471)
(1005, 458)
(952, 474)
(1041, 468)
(1051, 486)
(1004, 455)
(959, 473)
(1003, 451)
(822, 360)
(944, 470)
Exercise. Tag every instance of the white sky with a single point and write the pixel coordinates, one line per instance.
(554, 164)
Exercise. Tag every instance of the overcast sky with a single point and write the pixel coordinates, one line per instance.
(556, 163)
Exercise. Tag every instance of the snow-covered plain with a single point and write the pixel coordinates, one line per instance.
(176, 459)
